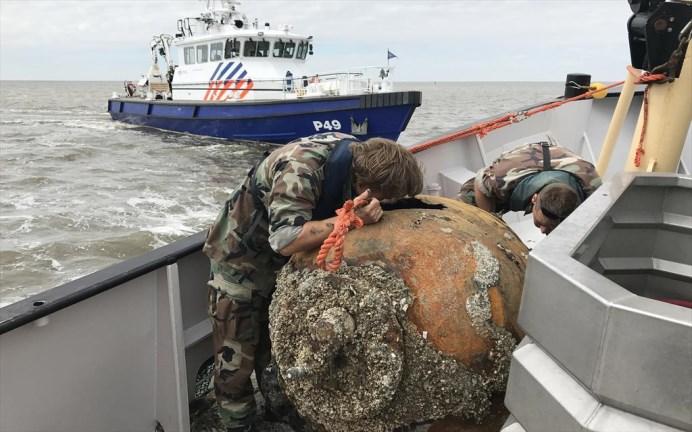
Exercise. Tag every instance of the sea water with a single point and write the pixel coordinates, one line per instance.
(79, 192)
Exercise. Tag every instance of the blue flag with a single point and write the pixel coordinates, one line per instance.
(390, 55)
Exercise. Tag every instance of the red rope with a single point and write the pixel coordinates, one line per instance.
(644, 77)
(640, 147)
(346, 218)
(482, 129)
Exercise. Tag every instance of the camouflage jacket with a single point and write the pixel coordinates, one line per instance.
(499, 180)
(252, 227)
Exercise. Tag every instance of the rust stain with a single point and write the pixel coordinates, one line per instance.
(497, 306)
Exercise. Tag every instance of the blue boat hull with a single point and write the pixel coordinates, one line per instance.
(365, 116)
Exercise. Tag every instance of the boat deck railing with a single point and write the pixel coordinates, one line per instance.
(369, 79)
(363, 80)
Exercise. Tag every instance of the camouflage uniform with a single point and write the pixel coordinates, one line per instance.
(502, 178)
(263, 216)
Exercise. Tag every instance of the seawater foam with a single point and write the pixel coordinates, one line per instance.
(55, 264)
(26, 225)
(100, 125)
(25, 202)
(189, 221)
(151, 202)
(170, 227)
(208, 200)
(156, 210)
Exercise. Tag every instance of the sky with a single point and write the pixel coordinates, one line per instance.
(453, 40)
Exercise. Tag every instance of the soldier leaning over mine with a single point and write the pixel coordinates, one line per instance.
(546, 180)
(285, 205)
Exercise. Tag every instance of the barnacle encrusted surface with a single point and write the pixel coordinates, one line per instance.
(350, 360)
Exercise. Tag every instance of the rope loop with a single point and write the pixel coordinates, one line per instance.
(575, 85)
(646, 77)
(346, 218)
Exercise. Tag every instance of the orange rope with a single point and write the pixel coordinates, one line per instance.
(644, 77)
(482, 129)
(640, 147)
(346, 217)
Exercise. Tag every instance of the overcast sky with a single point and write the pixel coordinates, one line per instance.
(454, 40)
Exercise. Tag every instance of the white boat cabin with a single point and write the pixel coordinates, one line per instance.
(223, 56)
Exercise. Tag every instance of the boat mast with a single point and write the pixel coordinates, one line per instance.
(227, 13)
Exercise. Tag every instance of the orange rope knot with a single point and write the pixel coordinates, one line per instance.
(346, 218)
(646, 77)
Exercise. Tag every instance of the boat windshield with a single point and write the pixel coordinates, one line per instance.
(284, 49)
(232, 48)
(255, 48)
(302, 51)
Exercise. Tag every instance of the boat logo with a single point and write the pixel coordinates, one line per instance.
(229, 82)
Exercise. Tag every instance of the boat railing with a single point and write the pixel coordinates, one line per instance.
(369, 79)
(363, 80)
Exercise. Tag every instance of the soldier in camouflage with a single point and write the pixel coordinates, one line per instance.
(546, 180)
(280, 210)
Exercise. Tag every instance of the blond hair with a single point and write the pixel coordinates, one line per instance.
(386, 168)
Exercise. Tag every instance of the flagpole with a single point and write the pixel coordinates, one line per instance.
(387, 58)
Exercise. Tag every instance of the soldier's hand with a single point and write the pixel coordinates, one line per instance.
(372, 211)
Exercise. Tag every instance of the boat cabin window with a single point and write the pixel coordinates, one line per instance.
(278, 48)
(250, 48)
(302, 51)
(262, 48)
(216, 51)
(202, 53)
(289, 49)
(254, 48)
(189, 55)
(232, 48)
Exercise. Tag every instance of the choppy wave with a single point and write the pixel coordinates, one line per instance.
(24, 202)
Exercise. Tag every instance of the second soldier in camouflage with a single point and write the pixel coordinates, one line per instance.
(547, 180)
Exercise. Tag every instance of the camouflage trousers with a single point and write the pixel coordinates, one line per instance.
(241, 346)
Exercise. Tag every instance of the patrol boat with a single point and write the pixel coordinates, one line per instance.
(232, 77)
(608, 333)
